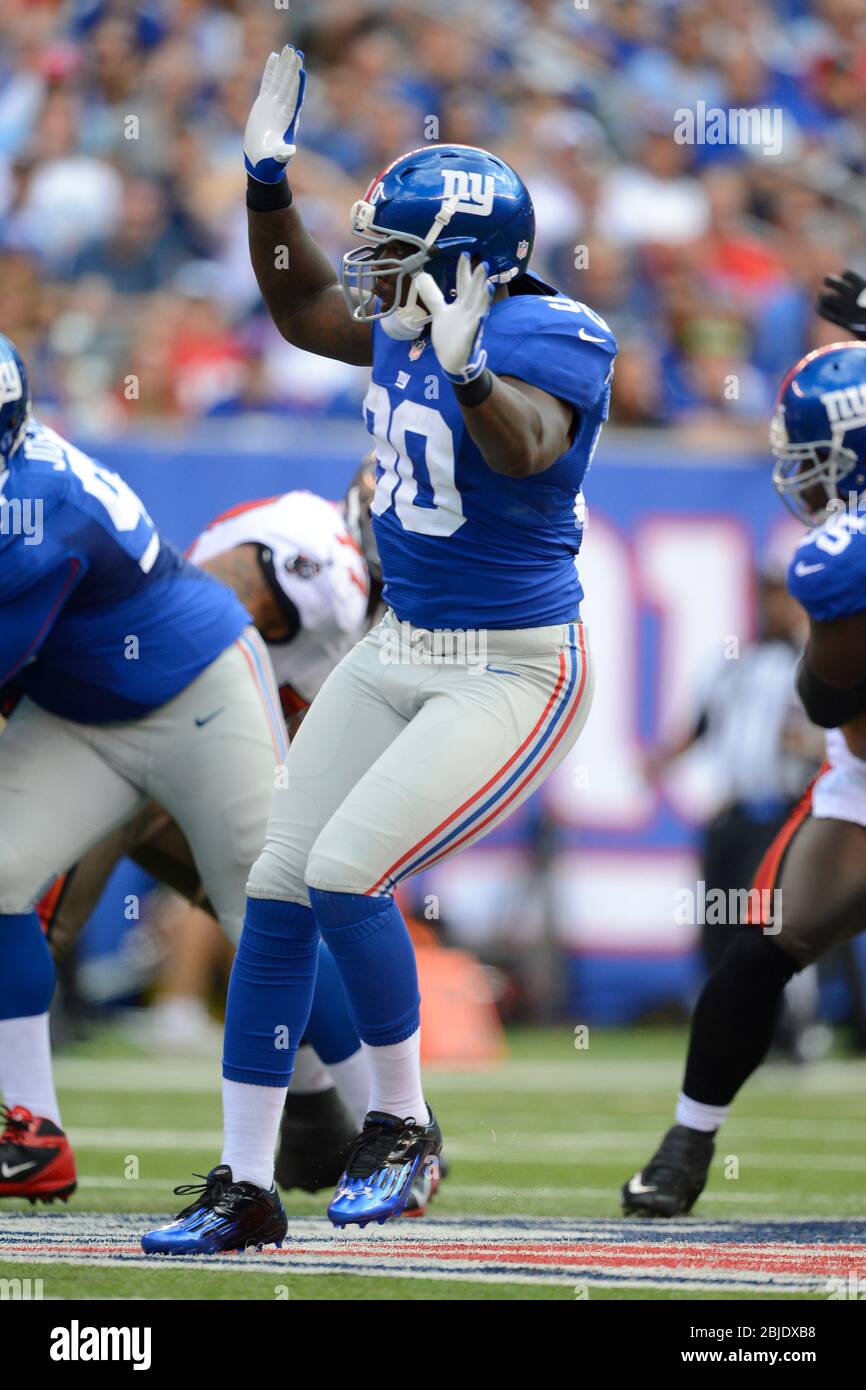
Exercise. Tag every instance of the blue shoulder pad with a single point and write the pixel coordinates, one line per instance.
(554, 343)
(828, 572)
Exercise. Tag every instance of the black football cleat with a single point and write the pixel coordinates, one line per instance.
(228, 1215)
(316, 1137)
(389, 1156)
(675, 1176)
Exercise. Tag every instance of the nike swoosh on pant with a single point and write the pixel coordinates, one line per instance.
(208, 717)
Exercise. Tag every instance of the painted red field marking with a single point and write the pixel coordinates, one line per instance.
(709, 1263)
(811, 1260)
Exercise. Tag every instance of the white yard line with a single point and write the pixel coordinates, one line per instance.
(539, 1149)
(582, 1073)
(849, 1205)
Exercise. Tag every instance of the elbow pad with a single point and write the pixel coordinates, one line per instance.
(825, 705)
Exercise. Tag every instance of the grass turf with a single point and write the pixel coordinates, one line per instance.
(553, 1132)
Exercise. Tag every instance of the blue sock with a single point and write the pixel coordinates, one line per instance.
(371, 944)
(330, 1029)
(27, 973)
(270, 992)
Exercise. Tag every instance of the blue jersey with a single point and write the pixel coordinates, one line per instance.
(100, 619)
(828, 572)
(461, 545)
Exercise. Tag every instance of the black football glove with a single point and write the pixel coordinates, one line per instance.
(843, 301)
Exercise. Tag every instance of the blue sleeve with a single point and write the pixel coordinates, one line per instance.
(830, 585)
(26, 620)
(557, 350)
(28, 555)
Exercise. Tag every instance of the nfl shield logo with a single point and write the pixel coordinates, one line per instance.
(522, 250)
(416, 349)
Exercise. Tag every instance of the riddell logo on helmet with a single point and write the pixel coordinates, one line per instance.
(475, 192)
(846, 405)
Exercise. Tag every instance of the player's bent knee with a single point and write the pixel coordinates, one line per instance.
(18, 893)
(757, 952)
(330, 871)
(804, 942)
(278, 875)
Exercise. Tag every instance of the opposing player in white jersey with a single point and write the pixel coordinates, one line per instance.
(318, 563)
(489, 390)
(814, 873)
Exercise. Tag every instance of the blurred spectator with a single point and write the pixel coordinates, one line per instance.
(121, 124)
(142, 248)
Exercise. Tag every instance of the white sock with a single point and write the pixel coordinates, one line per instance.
(181, 1010)
(696, 1115)
(310, 1075)
(25, 1066)
(395, 1078)
(251, 1123)
(178, 1019)
(352, 1080)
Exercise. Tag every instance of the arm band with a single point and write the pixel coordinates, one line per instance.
(826, 706)
(474, 392)
(268, 197)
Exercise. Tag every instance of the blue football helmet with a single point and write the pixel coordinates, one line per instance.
(818, 433)
(14, 400)
(441, 200)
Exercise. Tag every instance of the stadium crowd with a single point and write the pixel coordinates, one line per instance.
(124, 274)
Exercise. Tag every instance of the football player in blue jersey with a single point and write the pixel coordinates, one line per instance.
(489, 390)
(817, 863)
(132, 675)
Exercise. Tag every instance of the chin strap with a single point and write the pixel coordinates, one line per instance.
(442, 218)
(411, 319)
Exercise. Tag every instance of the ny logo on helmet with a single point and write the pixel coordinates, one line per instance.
(10, 382)
(474, 191)
(845, 406)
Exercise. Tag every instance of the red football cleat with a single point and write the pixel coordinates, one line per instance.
(35, 1158)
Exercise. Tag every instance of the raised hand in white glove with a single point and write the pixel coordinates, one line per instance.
(269, 139)
(456, 329)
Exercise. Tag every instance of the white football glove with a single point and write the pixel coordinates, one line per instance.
(269, 139)
(456, 329)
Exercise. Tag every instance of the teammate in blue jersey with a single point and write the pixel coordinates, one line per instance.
(817, 863)
(488, 392)
(102, 619)
(133, 675)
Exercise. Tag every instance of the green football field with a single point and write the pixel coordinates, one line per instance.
(538, 1145)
